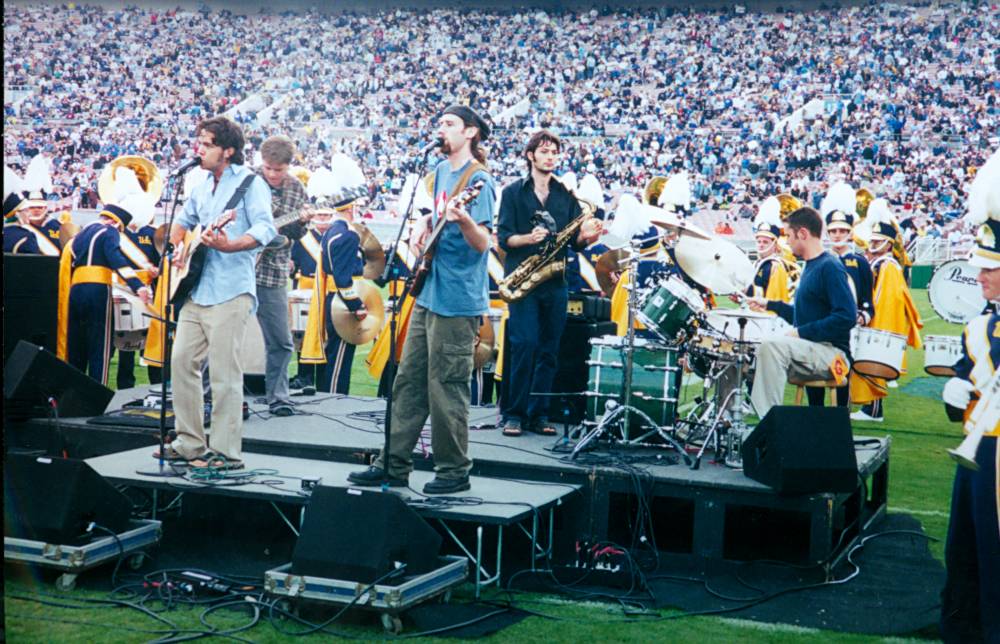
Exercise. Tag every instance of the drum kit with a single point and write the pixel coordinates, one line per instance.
(635, 382)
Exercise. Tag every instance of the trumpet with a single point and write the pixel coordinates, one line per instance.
(985, 417)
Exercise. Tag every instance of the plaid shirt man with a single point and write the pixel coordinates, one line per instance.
(274, 264)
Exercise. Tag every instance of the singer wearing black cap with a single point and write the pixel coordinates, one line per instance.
(436, 367)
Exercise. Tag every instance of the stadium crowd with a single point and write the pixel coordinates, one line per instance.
(901, 98)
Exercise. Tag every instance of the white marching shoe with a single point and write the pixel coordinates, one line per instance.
(862, 416)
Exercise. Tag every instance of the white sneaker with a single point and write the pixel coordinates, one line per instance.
(892, 384)
(862, 416)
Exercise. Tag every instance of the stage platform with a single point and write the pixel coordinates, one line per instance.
(709, 514)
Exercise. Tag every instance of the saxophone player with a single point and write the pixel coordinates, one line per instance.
(533, 210)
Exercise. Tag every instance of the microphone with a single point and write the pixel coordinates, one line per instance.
(436, 143)
(187, 165)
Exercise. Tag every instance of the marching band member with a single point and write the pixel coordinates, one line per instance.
(305, 258)
(138, 247)
(17, 239)
(839, 210)
(581, 266)
(894, 309)
(771, 276)
(340, 265)
(971, 593)
(37, 182)
(632, 220)
(86, 323)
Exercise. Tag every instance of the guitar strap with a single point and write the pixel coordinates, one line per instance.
(459, 186)
(240, 191)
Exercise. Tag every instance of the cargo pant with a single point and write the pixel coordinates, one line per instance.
(433, 380)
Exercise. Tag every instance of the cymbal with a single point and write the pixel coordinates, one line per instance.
(716, 264)
(485, 343)
(372, 250)
(67, 232)
(349, 327)
(609, 262)
(673, 224)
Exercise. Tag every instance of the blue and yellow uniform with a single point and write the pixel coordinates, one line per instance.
(18, 240)
(341, 264)
(378, 357)
(86, 322)
(770, 280)
(305, 255)
(139, 249)
(972, 554)
(862, 282)
(47, 236)
(581, 268)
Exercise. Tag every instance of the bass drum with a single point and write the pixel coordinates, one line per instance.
(954, 293)
(655, 378)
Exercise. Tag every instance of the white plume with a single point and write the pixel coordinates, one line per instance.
(984, 193)
(569, 180)
(840, 196)
(590, 189)
(11, 182)
(879, 212)
(348, 172)
(768, 213)
(676, 192)
(630, 220)
(38, 176)
(323, 183)
(130, 196)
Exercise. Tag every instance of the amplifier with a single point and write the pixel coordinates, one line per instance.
(588, 307)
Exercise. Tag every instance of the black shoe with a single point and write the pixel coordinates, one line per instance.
(283, 410)
(299, 382)
(375, 476)
(439, 485)
(246, 411)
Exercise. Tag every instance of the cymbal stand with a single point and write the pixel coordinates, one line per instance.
(738, 429)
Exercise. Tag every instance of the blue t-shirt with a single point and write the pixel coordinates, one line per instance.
(457, 285)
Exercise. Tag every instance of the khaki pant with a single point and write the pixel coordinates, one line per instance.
(433, 379)
(213, 332)
(783, 357)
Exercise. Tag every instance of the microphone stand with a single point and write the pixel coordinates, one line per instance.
(389, 276)
(166, 259)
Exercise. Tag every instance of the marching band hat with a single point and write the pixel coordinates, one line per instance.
(984, 212)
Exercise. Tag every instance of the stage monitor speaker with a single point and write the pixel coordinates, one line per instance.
(360, 535)
(55, 499)
(30, 302)
(801, 450)
(572, 372)
(32, 375)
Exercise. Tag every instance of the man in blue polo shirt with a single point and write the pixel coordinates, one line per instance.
(436, 366)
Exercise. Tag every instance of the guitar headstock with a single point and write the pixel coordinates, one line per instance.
(469, 194)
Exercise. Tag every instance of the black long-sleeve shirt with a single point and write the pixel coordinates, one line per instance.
(517, 206)
(823, 309)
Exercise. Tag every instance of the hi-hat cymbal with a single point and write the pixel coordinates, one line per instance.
(485, 343)
(348, 326)
(372, 250)
(608, 267)
(716, 264)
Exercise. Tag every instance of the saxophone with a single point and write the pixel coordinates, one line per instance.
(545, 265)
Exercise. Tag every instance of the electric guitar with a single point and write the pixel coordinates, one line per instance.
(280, 240)
(425, 263)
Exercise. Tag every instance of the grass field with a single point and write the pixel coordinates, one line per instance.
(919, 485)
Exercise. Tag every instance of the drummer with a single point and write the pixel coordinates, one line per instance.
(894, 310)
(972, 553)
(823, 313)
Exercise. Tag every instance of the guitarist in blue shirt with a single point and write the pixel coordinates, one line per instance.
(437, 362)
(213, 320)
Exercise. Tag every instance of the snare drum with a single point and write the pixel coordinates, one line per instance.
(655, 378)
(298, 309)
(877, 353)
(758, 328)
(941, 352)
(670, 308)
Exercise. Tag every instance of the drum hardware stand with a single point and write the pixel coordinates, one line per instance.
(738, 428)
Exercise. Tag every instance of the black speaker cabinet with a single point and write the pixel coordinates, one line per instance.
(572, 371)
(360, 535)
(801, 450)
(32, 375)
(30, 286)
(55, 499)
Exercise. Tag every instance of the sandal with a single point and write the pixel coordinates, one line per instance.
(512, 430)
(542, 428)
(216, 462)
(170, 455)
